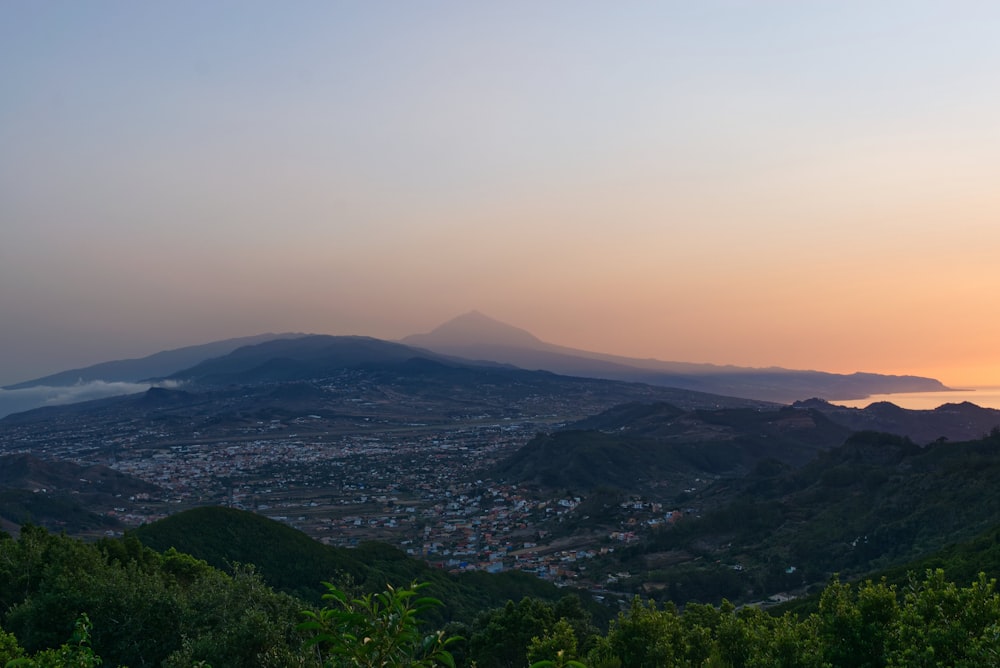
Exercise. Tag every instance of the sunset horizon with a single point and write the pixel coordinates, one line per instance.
(639, 355)
(806, 186)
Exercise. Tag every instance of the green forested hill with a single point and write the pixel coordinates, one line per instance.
(962, 561)
(875, 503)
(635, 447)
(292, 562)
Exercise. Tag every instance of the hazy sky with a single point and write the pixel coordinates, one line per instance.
(802, 184)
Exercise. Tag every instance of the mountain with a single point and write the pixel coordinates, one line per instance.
(323, 389)
(877, 502)
(654, 448)
(158, 365)
(114, 378)
(470, 337)
(953, 422)
(476, 336)
(304, 357)
(475, 329)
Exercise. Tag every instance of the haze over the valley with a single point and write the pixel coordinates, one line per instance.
(804, 185)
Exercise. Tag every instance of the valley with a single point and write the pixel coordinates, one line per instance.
(614, 487)
(394, 455)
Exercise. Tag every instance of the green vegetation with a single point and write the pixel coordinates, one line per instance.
(877, 504)
(77, 653)
(292, 562)
(147, 609)
(376, 630)
(120, 603)
(636, 447)
(224, 588)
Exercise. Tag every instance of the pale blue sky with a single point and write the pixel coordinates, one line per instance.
(804, 184)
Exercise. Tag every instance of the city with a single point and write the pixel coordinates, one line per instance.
(405, 471)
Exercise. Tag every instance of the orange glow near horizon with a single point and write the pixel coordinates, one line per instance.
(758, 184)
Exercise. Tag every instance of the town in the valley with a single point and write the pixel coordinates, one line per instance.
(423, 487)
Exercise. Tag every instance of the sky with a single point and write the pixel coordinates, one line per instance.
(810, 185)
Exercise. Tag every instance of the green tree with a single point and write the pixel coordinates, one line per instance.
(856, 624)
(376, 630)
(646, 637)
(752, 638)
(9, 649)
(501, 637)
(238, 621)
(77, 653)
(943, 624)
(558, 645)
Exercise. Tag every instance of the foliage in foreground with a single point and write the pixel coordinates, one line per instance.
(77, 653)
(931, 622)
(146, 609)
(928, 622)
(121, 604)
(376, 630)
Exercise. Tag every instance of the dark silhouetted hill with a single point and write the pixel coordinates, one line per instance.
(954, 422)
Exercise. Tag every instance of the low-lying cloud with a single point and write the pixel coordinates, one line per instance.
(16, 401)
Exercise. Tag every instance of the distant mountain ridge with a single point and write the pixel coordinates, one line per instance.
(309, 356)
(953, 422)
(636, 445)
(477, 336)
(475, 328)
(157, 365)
(472, 338)
(117, 377)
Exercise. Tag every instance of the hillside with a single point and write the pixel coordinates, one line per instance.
(658, 449)
(490, 467)
(282, 360)
(157, 365)
(63, 496)
(292, 562)
(877, 502)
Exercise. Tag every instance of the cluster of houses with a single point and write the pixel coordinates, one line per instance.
(406, 487)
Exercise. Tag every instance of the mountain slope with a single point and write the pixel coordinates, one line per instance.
(61, 495)
(158, 365)
(475, 328)
(114, 378)
(476, 336)
(291, 561)
(875, 503)
(299, 358)
(658, 449)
